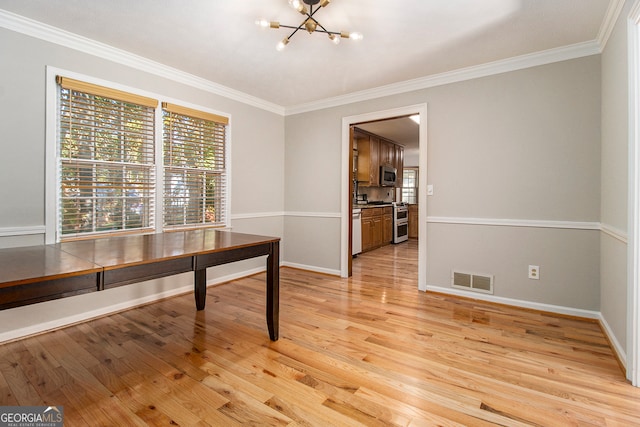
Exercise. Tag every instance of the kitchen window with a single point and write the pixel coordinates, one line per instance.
(410, 185)
(125, 165)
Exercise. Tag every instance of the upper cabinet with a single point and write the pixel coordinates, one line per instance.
(368, 159)
(373, 152)
(387, 153)
(399, 164)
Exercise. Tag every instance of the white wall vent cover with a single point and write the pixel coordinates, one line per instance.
(472, 282)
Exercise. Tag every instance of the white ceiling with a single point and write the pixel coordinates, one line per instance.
(403, 39)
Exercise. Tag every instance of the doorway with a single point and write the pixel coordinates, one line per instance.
(346, 195)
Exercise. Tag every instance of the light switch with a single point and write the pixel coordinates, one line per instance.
(430, 190)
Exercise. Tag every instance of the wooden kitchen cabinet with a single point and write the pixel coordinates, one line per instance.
(377, 227)
(399, 163)
(376, 235)
(368, 159)
(387, 225)
(387, 153)
(373, 152)
(367, 232)
(413, 221)
(371, 228)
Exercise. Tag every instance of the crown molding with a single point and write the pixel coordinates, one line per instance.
(609, 22)
(29, 27)
(498, 67)
(70, 40)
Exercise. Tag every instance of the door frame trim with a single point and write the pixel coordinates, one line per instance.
(345, 211)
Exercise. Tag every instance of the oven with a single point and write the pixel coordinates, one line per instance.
(400, 222)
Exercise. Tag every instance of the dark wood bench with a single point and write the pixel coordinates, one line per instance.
(41, 273)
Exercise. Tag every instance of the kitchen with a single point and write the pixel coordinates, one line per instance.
(384, 186)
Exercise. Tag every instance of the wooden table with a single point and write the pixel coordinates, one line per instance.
(41, 273)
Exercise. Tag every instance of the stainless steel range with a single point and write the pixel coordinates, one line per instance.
(400, 222)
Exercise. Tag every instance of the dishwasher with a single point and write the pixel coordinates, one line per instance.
(356, 235)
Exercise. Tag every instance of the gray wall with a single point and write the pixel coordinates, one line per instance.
(615, 143)
(257, 178)
(522, 146)
(257, 135)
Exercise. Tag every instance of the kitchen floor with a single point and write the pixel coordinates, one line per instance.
(400, 260)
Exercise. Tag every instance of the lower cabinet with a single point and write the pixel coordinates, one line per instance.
(377, 227)
(413, 221)
(367, 232)
(387, 226)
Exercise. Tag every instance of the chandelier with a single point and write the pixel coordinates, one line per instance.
(310, 24)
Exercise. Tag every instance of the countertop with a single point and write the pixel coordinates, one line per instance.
(373, 205)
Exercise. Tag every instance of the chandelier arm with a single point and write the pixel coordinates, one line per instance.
(294, 31)
(309, 15)
(323, 29)
(312, 12)
(299, 27)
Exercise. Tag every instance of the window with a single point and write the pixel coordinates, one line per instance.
(109, 164)
(194, 167)
(410, 185)
(106, 160)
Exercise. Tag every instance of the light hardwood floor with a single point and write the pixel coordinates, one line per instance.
(371, 350)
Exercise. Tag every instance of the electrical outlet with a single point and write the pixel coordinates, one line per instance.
(534, 272)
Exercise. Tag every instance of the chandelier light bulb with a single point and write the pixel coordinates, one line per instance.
(334, 38)
(299, 6)
(355, 36)
(281, 45)
(263, 23)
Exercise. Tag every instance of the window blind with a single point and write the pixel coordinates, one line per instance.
(106, 160)
(194, 167)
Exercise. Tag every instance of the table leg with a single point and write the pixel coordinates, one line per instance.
(273, 290)
(200, 288)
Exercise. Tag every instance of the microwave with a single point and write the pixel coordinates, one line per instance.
(387, 176)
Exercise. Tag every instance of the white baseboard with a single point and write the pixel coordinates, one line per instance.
(567, 311)
(115, 308)
(619, 350)
(311, 268)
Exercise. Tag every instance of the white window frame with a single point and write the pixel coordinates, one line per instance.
(416, 181)
(52, 180)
